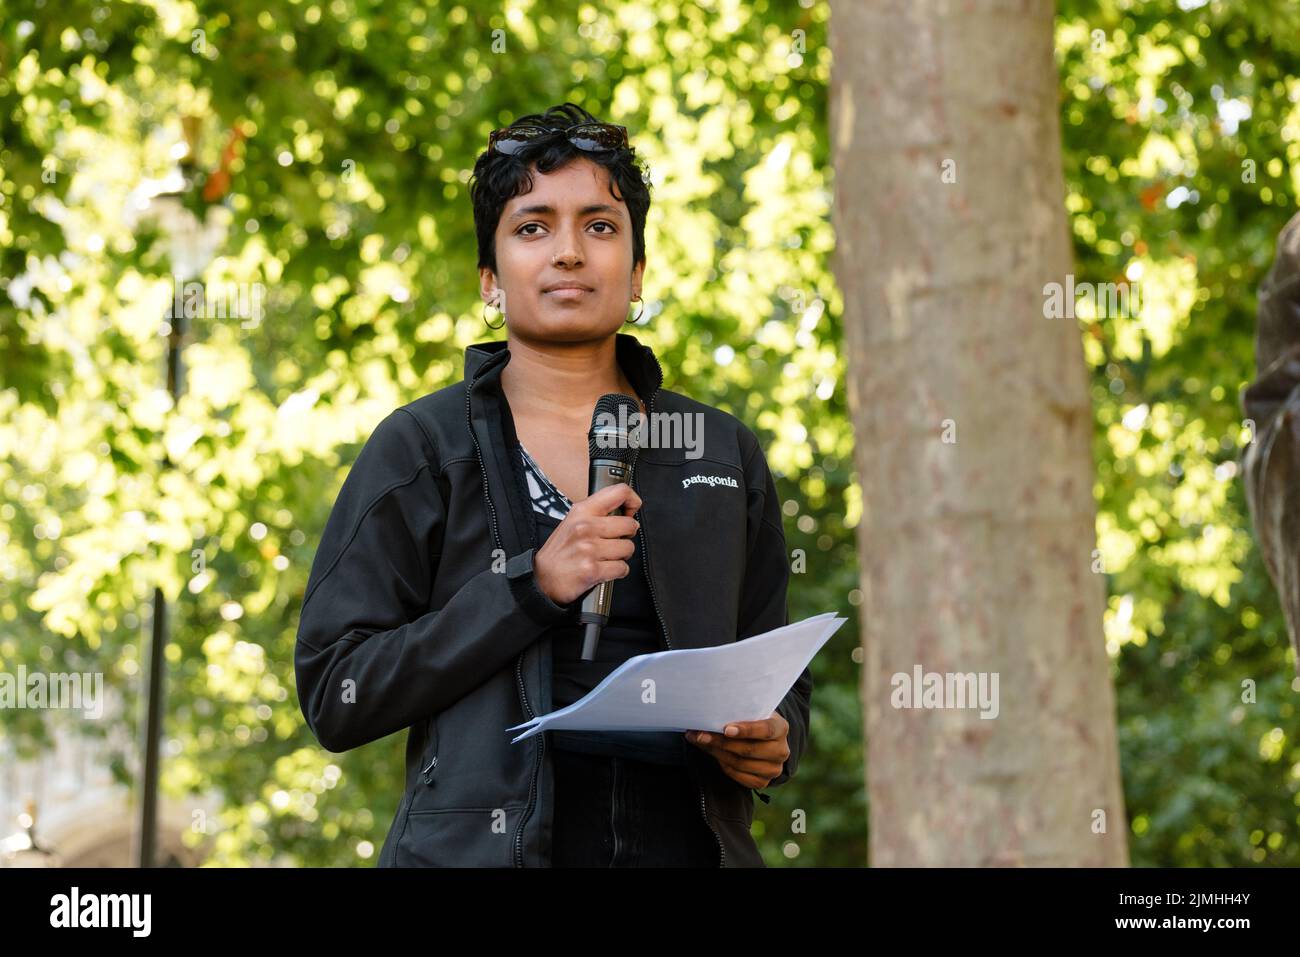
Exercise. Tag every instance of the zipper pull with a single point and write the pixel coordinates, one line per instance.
(427, 773)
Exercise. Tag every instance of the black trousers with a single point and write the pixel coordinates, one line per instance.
(617, 812)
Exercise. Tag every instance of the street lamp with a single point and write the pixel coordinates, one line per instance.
(191, 245)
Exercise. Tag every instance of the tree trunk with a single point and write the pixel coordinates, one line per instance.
(973, 425)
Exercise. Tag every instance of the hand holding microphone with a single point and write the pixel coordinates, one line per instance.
(591, 552)
(589, 546)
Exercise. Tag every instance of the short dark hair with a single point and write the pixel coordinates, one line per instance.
(499, 178)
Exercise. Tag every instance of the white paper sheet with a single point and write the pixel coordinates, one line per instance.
(696, 688)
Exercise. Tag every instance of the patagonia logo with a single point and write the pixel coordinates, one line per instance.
(710, 480)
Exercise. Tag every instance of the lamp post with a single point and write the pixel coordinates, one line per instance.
(191, 246)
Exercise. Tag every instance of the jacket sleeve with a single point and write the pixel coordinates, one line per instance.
(1271, 462)
(763, 604)
(371, 657)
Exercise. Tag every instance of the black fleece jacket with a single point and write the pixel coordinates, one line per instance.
(421, 612)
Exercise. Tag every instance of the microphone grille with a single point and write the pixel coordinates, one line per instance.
(613, 433)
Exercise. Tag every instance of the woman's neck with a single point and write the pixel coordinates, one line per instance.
(557, 379)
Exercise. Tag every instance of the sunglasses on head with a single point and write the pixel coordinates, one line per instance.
(591, 137)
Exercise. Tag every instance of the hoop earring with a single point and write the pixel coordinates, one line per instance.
(637, 318)
(485, 320)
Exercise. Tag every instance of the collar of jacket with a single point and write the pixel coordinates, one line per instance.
(493, 427)
(636, 359)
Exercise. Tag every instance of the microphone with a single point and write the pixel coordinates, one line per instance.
(613, 449)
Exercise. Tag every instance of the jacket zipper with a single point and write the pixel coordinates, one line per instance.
(613, 804)
(537, 764)
(427, 773)
(519, 662)
(654, 600)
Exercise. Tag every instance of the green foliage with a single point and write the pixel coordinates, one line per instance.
(1153, 112)
(337, 139)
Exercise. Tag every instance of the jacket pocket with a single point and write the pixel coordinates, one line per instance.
(459, 837)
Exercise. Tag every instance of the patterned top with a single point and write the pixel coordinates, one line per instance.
(547, 499)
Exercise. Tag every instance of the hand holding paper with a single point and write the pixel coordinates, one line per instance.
(751, 753)
(696, 688)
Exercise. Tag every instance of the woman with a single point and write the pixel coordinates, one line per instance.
(444, 595)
